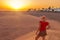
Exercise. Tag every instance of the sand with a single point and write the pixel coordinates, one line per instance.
(32, 35)
(21, 26)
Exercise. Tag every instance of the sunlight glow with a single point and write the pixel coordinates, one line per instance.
(16, 4)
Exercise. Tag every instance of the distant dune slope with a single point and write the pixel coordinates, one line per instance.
(50, 15)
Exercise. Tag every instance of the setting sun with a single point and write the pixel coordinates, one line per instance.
(17, 4)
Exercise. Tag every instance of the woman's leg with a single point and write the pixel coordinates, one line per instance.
(44, 35)
(43, 38)
(37, 37)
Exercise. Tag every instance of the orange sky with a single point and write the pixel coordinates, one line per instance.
(26, 4)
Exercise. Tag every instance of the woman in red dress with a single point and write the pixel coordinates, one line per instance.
(43, 25)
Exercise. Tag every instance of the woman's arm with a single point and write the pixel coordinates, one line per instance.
(48, 27)
(37, 31)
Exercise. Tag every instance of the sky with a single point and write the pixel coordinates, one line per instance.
(26, 4)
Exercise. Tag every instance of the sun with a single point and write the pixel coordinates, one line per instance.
(16, 4)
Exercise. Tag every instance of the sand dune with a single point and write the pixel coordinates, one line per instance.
(15, 24)
(19, 26)
(53, 32)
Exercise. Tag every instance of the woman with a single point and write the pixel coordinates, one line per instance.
(43, 25)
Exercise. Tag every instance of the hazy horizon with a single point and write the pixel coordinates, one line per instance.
(26, 4)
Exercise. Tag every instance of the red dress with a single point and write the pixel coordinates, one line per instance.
(43, 25)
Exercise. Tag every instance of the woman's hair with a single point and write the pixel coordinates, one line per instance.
(43, 17)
